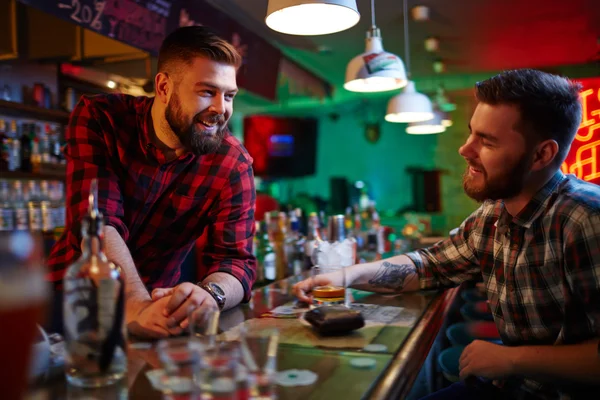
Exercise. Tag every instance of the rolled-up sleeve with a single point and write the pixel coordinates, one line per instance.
(450, 261)
(231, 230)
(88, 158)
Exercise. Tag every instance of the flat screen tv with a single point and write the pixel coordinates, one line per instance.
(280, 146)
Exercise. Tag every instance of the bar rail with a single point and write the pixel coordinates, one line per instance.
(399, 377)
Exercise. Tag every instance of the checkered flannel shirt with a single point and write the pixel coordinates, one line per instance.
(159, 207)
(541, 268)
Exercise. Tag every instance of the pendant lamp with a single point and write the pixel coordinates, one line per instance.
(433, 125)
(375, 70)
(311, 17)
(410, 105)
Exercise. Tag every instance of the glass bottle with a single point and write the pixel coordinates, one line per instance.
(93, 309)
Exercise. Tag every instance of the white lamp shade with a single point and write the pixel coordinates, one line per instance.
(445, 119)
(431, 126)
(311, 17)
(375, 70)
(409, 106)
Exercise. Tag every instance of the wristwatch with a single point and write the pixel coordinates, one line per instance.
(215, 291)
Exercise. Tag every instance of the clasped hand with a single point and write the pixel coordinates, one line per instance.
(167, 313)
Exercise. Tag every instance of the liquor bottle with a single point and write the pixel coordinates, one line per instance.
(313, 237)
(25, 146)
(7, 217)
(93, 309)
(4, 146)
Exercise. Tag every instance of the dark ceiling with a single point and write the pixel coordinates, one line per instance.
(475, 35)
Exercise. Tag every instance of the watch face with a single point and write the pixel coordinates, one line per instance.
(217, 289)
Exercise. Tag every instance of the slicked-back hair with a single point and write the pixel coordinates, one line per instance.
(184, 44)
(548, 104)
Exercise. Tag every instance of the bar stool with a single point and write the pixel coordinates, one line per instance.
(463, 333)
(478, 311)
(473, 295)
(448, 360)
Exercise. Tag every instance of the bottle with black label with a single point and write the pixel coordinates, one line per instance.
(93, 309)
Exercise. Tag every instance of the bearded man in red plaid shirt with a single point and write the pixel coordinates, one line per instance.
(168, 172)
(535, 242)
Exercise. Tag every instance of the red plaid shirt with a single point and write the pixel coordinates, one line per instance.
(159, 207)
(541, 268)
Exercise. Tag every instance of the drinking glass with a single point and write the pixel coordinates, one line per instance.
(24, 295)
(204, 326)
(330, 285)
(219, 372)
(180, 358)
(258, 349)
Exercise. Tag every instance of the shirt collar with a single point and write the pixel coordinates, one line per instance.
(539, 202)
(146, 127)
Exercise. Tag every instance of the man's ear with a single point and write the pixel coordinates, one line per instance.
(544, 154)
(163, 86)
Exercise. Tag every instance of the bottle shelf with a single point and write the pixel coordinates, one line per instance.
(47, 172)
(13, 109)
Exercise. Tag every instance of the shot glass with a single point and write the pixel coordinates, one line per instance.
(258, 351)
(219, 372)
(181, 361)
(204, 326)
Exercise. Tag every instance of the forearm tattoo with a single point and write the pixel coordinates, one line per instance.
(392, 276)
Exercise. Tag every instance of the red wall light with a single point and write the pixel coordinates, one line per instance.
(584, 157)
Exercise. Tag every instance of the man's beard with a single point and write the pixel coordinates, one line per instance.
(505, 186)
(193, 139)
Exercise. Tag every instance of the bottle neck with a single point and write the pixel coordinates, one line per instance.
(91, 243)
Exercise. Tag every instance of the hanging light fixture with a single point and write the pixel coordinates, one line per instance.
(431, 126)
(410, 105)
(446, 119)
(375, 70)
(311, 17)
(443, 101)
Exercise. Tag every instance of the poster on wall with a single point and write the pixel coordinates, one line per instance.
(145, 23)
(584, 157)
(139, 24)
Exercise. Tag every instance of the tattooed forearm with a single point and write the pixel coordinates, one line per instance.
(392, 276)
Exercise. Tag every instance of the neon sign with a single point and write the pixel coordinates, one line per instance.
(583, 159)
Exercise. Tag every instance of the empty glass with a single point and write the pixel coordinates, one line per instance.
(259, 355)
(219, 372)
(180, 358)
(204, 326)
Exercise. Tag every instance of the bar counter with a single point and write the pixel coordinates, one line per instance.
(405, 324)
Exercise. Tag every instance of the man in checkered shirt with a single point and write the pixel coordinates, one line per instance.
(168, 172)
(535, 241)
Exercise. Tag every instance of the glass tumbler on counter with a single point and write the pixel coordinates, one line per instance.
(330, 285)
(24, 296)
(219, 372)
(181, 360)
(258, 350)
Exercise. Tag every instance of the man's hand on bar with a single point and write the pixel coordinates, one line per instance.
(303, 289)
(181, 299)
(148, 321)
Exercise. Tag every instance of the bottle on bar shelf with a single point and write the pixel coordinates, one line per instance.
(277, 232)
(294, 243)
(93, 309)
(313, 237)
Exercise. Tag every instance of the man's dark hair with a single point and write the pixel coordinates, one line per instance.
(184, 44)
(548, 104)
